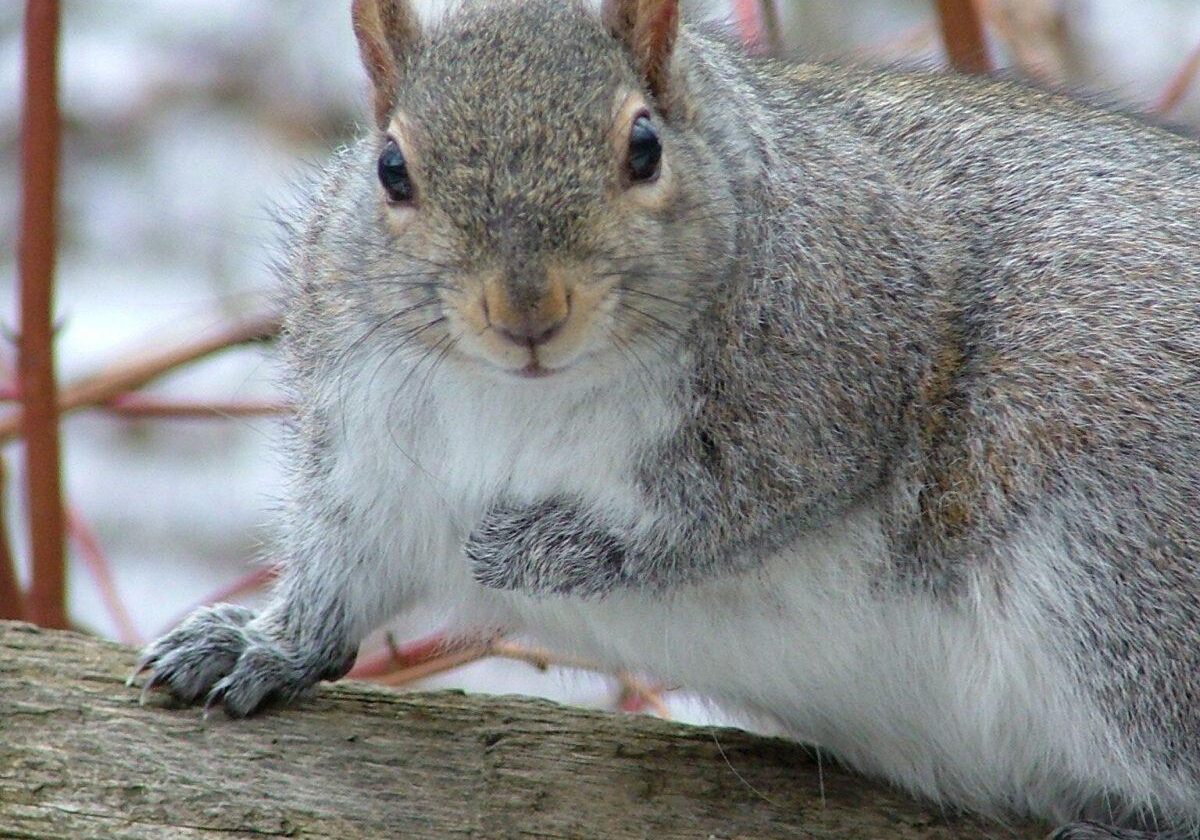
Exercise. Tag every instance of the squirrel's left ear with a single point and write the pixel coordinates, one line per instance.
(648, 29)
(385, 30)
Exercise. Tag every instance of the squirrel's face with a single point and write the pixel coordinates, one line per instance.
(533, 208)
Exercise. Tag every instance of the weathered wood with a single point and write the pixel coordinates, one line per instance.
(80, 759)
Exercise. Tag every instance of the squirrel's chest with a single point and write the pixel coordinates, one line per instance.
(491, 442)
(428, 464)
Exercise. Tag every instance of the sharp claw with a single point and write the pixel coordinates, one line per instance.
(213, 700)
(138, 669)
(148, 687)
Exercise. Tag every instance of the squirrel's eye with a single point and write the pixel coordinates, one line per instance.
(645, 150)
(393, 174)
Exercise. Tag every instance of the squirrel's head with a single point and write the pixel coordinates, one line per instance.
(542, 196)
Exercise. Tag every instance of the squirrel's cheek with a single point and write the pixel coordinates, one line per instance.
(398, 218)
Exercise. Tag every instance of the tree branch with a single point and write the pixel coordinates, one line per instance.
(80, 758)
(134, 372)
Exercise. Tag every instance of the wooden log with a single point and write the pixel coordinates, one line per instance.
(80, 759)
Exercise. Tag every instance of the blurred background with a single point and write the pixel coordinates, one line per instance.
(187, 124)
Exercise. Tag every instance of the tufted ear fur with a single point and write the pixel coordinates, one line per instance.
(648, 29)
(385, 30)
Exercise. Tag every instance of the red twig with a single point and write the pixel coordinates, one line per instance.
(402, 656)
(1178, 87)
(447, 660)
(963, 37)
(748, 21)
(131, 374)
(97, 564)
(12, 603)
(637, 696)
(149, 407)
(46, 603)
(401, 665)
(771, 29)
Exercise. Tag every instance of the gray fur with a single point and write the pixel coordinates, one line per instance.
(1096, 831)
(974, 304)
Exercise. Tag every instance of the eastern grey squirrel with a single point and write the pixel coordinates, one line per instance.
(885, 385)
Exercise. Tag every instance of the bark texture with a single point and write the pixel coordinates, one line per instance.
(80, 759)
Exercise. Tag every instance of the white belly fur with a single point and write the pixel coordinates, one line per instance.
(969, 703)
(963, 703)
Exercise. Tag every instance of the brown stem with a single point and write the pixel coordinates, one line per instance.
(149, 407)
(101, 570)
(12, 604)
(771, 28)
(131, 374)
(437, 655)
(46, 603)
(962, 35)
(1178, 86)
(441, 663)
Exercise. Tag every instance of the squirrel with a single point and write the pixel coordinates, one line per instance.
(865, 399)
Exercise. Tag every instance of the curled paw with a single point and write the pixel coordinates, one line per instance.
(542, 548)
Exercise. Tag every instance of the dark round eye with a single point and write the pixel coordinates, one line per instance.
(645, 151)
(393, 174)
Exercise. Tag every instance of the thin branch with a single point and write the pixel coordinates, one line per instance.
(963, 37)
(748, 24)
(149, 407)
(1036, 34)
(46, 602)
(438, 654)
(132, 373)
(99, 567)
(638, 695)
(402, 656)
(772, 30)
(1178, 87)
(447, 661)
(12, 603)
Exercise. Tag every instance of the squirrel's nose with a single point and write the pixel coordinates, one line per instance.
(526, 322)
(530, 333)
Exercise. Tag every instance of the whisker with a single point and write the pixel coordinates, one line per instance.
(623, 346)
(659, 322)
(344, 356)
(684, 305)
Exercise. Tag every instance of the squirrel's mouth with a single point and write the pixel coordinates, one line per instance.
(534, 370)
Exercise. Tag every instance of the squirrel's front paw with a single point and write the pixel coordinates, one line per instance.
(216, 653)
(544, 548)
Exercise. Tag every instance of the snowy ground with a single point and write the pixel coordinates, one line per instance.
(186, 123)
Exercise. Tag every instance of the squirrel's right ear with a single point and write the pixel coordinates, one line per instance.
(648, 29)
(385, 30)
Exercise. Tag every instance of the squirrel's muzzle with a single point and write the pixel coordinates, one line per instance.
(526, 316)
